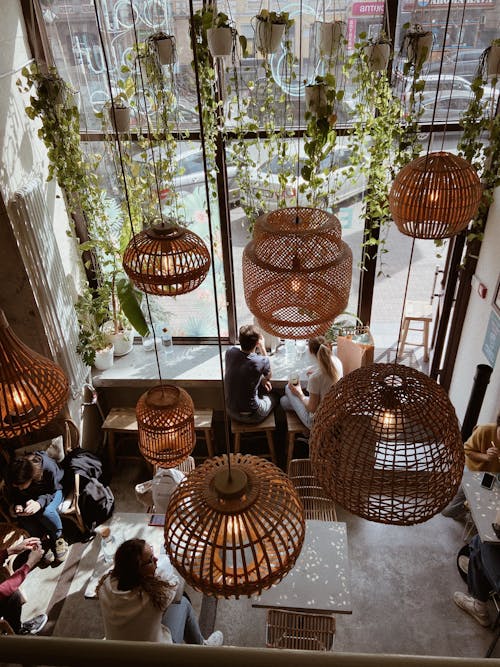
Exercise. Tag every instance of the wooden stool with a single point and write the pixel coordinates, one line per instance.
(123, 420)
(267, 426)
(294, 427)
(416, 311)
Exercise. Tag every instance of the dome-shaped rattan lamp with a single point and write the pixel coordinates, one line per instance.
(386, 445)
(165, 421)
(435, 196)
(234, 531)
(33, 389)
(297, 272)
(166, 260)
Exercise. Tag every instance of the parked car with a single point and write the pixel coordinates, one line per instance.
(446, 107)
(340, 185)
(190, 171)
(450, 86)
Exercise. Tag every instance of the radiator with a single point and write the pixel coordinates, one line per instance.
(32, 227)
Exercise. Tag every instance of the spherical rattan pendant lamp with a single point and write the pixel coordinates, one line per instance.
(235, 530)
(166, 260)
(435, 196)
(33, 389)
(297, 272)
(165, 421)
(386, 445)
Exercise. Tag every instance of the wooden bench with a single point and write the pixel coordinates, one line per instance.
(123, 420)
(294, 427)
(268, 426)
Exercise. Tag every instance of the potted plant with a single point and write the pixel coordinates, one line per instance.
(93, 344)
(165, 47)
(269, 30)
(331, 38)
(221, 36)
(378, 52)
(119, 113)
(489, 64)
(417, 44)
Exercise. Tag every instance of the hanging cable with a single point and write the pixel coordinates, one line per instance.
(404, 300)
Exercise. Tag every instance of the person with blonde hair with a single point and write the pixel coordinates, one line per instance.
(138, 605)
(321, 379)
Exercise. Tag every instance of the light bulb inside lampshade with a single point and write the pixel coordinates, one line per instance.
(166, 259)
(33, 389)
(237, 532)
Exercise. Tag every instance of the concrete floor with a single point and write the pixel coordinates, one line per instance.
(402, 582)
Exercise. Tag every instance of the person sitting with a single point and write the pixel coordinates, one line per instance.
(138, 605)
(483, 576)
(482, 453)
(34, 489)
(320, 381)
(247, 378)
(11, 599)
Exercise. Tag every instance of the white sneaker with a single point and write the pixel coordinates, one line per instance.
(475, 608)
(215, 639)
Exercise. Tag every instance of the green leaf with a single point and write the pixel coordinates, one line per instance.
(130, 304)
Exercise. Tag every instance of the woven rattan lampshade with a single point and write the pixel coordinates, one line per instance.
(297, 272)
(385, 445)
(165, 421)
(33, 389)
(166, 260)
(236, 537)
(435, 196)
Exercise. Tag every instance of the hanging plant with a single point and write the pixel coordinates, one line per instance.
(378, 52)
(417, 45)
(119, 114)
(331, 38)
(269, 29)
(165, 47)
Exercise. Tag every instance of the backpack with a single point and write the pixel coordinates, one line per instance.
(96, 503)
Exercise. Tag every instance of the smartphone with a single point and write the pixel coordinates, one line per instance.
(488, 480)
(157, 520)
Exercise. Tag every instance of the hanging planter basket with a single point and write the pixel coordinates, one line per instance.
(418, 46)
(493, 61)
(377, 56)
(220, 41)
(331, 38)
(297, 272)
(166, 49)
(316, 101)
(120, 118)
(268, 36)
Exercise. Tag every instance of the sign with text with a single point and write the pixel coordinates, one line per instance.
(367, 8)
(491, 342)
(440, 4)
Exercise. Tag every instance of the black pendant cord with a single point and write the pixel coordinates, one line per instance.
(122, 167)
(210, 228)
(404, 300)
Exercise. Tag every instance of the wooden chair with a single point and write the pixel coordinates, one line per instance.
(299, 630)
(294, 427)
(315, 501)
(268, 426)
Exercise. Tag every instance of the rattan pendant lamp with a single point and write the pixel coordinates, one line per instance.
(386, 445)
(33, 389)
(435, 196)
(297, 272)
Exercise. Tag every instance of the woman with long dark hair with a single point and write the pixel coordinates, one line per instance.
(137, 605)
(329, 371)
(34, 489)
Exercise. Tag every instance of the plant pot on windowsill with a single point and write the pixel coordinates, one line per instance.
(316, 98)
(104, 358)
(122, 341)
(377, 56)
(165, 46)
(119, 116)
(220, 41)
(331, 38)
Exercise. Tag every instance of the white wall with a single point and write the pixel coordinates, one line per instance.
(478, 312)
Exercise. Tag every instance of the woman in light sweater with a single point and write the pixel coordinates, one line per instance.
(329, 371)
(137, 605)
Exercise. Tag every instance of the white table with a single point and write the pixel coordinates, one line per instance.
(320, 580)
(483, 504)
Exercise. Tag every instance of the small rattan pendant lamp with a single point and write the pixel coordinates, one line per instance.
(166, 260)
(385, 444)
(435, 196)
(235, 526)
(297, 272)
(33, 389)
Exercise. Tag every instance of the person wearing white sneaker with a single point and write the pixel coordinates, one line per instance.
(138, 605)
(483, 576)
(11, 599)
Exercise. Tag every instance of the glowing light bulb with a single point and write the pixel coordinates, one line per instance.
(388, 419)
(433, 196)
(296, 284)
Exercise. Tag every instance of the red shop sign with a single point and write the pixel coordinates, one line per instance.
(367, 8)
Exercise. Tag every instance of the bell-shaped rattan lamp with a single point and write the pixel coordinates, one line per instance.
(165, 421)
(297, 272)
(386, 445)
(33, 389)
(435, 196)
(234, 530)
(166, 260)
